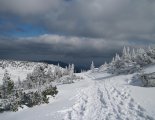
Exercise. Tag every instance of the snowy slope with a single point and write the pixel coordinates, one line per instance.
(99, 96)
(109, 98)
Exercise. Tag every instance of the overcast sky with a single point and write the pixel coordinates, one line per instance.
(77, 31)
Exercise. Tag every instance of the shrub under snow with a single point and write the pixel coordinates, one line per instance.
(148, 80)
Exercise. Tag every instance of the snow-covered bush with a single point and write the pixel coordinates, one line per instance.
(29, 99)
(66, 79)
(41, 75)
(50, 91)
(30, 92)
(148, 80)
(143, 79)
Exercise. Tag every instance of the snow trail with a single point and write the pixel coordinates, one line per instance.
(104, 100)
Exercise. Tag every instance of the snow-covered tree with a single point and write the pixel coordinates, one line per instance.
(103, 67)
(72, 71)
(142, 58)
(127, 63)
(8, 85)
(124, 54)
(92, 67)
(148, 80)
(151, 52)
(117, 57)
(19, 83)
(133, 54)
(66, 71)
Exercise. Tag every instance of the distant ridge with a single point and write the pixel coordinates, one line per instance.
(62, 64)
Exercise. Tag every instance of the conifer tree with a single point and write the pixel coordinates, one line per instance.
(72, 71)
(124, 54)
(133, 55)
(92, 67)
(8, 84)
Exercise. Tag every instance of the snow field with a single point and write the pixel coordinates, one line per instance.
(103, 101)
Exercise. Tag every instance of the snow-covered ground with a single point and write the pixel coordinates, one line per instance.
(99, 96)
(111, 98)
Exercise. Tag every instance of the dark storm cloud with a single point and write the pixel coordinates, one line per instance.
(58, 47)
(72, 49)
(90, 18)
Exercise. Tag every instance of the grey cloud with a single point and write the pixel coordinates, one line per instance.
(28, 7)
(108, 19)
(64, 48)
(56, 47)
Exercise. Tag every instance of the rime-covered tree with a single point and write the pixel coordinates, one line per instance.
(72, 71)
(151, 52)
(8, 85)
(124, 53)
(19, 83)
(142, 58)
(133, 55)
(92, 67)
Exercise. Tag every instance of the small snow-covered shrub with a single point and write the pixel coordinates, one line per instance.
(31, 99)
(69, 79)
(65, 80)
(148, 80)
(4, 105)
(14, 106)
(50, 91)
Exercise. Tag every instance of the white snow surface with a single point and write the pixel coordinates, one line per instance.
(149, 69)
(99, 96)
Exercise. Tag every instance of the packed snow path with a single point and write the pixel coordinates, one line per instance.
(105, 100)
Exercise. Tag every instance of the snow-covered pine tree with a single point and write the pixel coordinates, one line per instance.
(133, 55)
(103, 67)
(92, 67)
(117, 57)
(57, 72)
(7, 86)
(69, 67)
(50, 75)
(66, 71)
(151, 52)
(142, 57)
(128, 53)
(124, 53)
(19, 84)
(72, 72)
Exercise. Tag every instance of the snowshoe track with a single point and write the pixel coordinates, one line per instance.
(103, 101)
